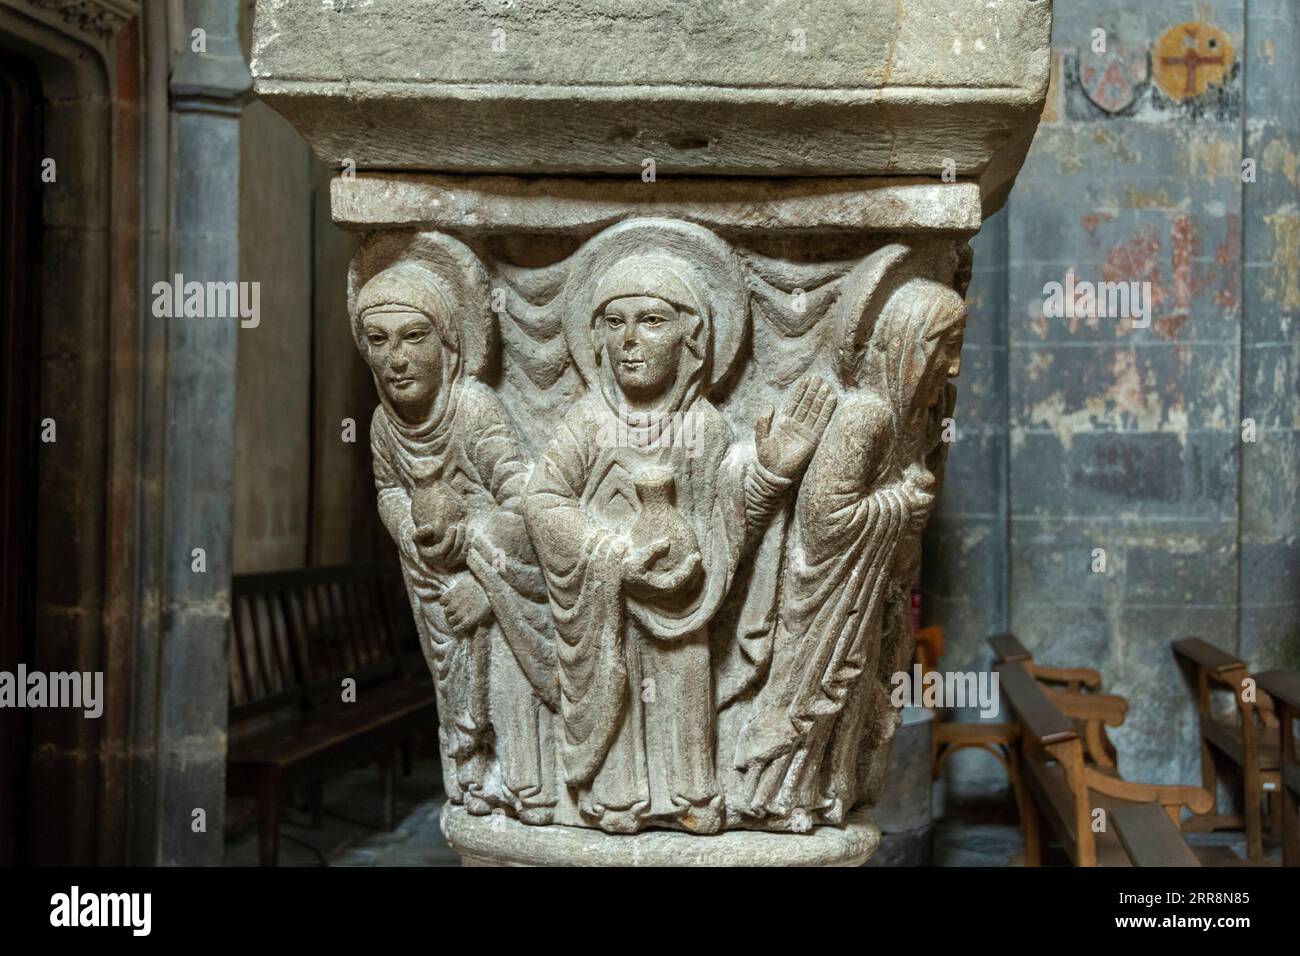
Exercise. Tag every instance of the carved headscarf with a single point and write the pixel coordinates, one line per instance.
(413, 287)
(670, 279)
(679, 262)
(915, 319)
(439, 277)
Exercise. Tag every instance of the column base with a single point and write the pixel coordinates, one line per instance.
(498, 840)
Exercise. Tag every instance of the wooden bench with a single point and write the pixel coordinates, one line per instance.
(1150, 838)
(295, 636)
(1064, 789)
(1007, 647)
(1252, 743)
(1077, 692)
(928, 648)
(998, 738)
(1284, 688)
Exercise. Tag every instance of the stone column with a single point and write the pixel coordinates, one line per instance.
(663, 302)
(196, 460)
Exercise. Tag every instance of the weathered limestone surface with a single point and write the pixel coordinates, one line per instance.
(770, 87)
(500, 841)
(486, 204)
(657, 454)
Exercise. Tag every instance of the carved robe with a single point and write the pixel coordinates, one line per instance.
(503, 675)
(635, 674)
(849, 521)
(861, 504)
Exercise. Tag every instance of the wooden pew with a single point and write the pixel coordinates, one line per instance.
(997, 738)
(294, 637)
(1077, 692)
(1251, 743)
(1284, 688)
(1007, 647)
(1150, 838)
(928, 648)
(1001, 738)
(1064, 789)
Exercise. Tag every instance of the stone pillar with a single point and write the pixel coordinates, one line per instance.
(662, 303)
(208, 86)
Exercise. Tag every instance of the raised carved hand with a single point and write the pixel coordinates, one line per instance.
(784, 448)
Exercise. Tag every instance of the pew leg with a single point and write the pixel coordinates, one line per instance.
(1290, 828)
(268, 817)
(1035, 826)
(1031, 818)
(1254, 796)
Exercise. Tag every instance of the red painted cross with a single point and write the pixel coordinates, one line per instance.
(1192, 60)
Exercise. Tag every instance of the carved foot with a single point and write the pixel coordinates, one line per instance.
(706, 819)
(476, 805)
(801, 821)
(537, 816)
(619, 821)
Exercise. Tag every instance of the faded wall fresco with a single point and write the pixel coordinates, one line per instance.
(1115, 433)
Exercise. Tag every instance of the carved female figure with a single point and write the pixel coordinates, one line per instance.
(450, 472)
(639, 538)
(866, 490)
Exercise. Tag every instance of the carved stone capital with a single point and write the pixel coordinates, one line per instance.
(656, 453)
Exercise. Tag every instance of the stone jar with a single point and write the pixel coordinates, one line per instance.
(660, 519)
(434, 509)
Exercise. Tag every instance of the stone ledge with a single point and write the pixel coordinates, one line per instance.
(498, 840)
(887, 87)
(487, 204)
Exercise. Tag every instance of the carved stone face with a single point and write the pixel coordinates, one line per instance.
(643, 345)
(947, 362)
(405, 355)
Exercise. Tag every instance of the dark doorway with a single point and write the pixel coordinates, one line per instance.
(20, 211)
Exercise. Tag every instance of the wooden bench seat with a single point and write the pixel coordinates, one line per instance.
(1252, 742)
(1064, 790)
(1149, 837)
(295, 638)
(1050, 786)
(299, 744)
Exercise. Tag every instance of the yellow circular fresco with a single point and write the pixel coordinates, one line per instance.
(1190, 57)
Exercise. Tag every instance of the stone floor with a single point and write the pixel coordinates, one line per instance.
(973, 829)
(351, 832)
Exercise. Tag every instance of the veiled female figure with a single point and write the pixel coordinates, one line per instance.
(450, 474)
(866, 490)
(639, 537)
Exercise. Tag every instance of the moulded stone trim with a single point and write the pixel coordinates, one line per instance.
(487, 204)
(497, 840)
